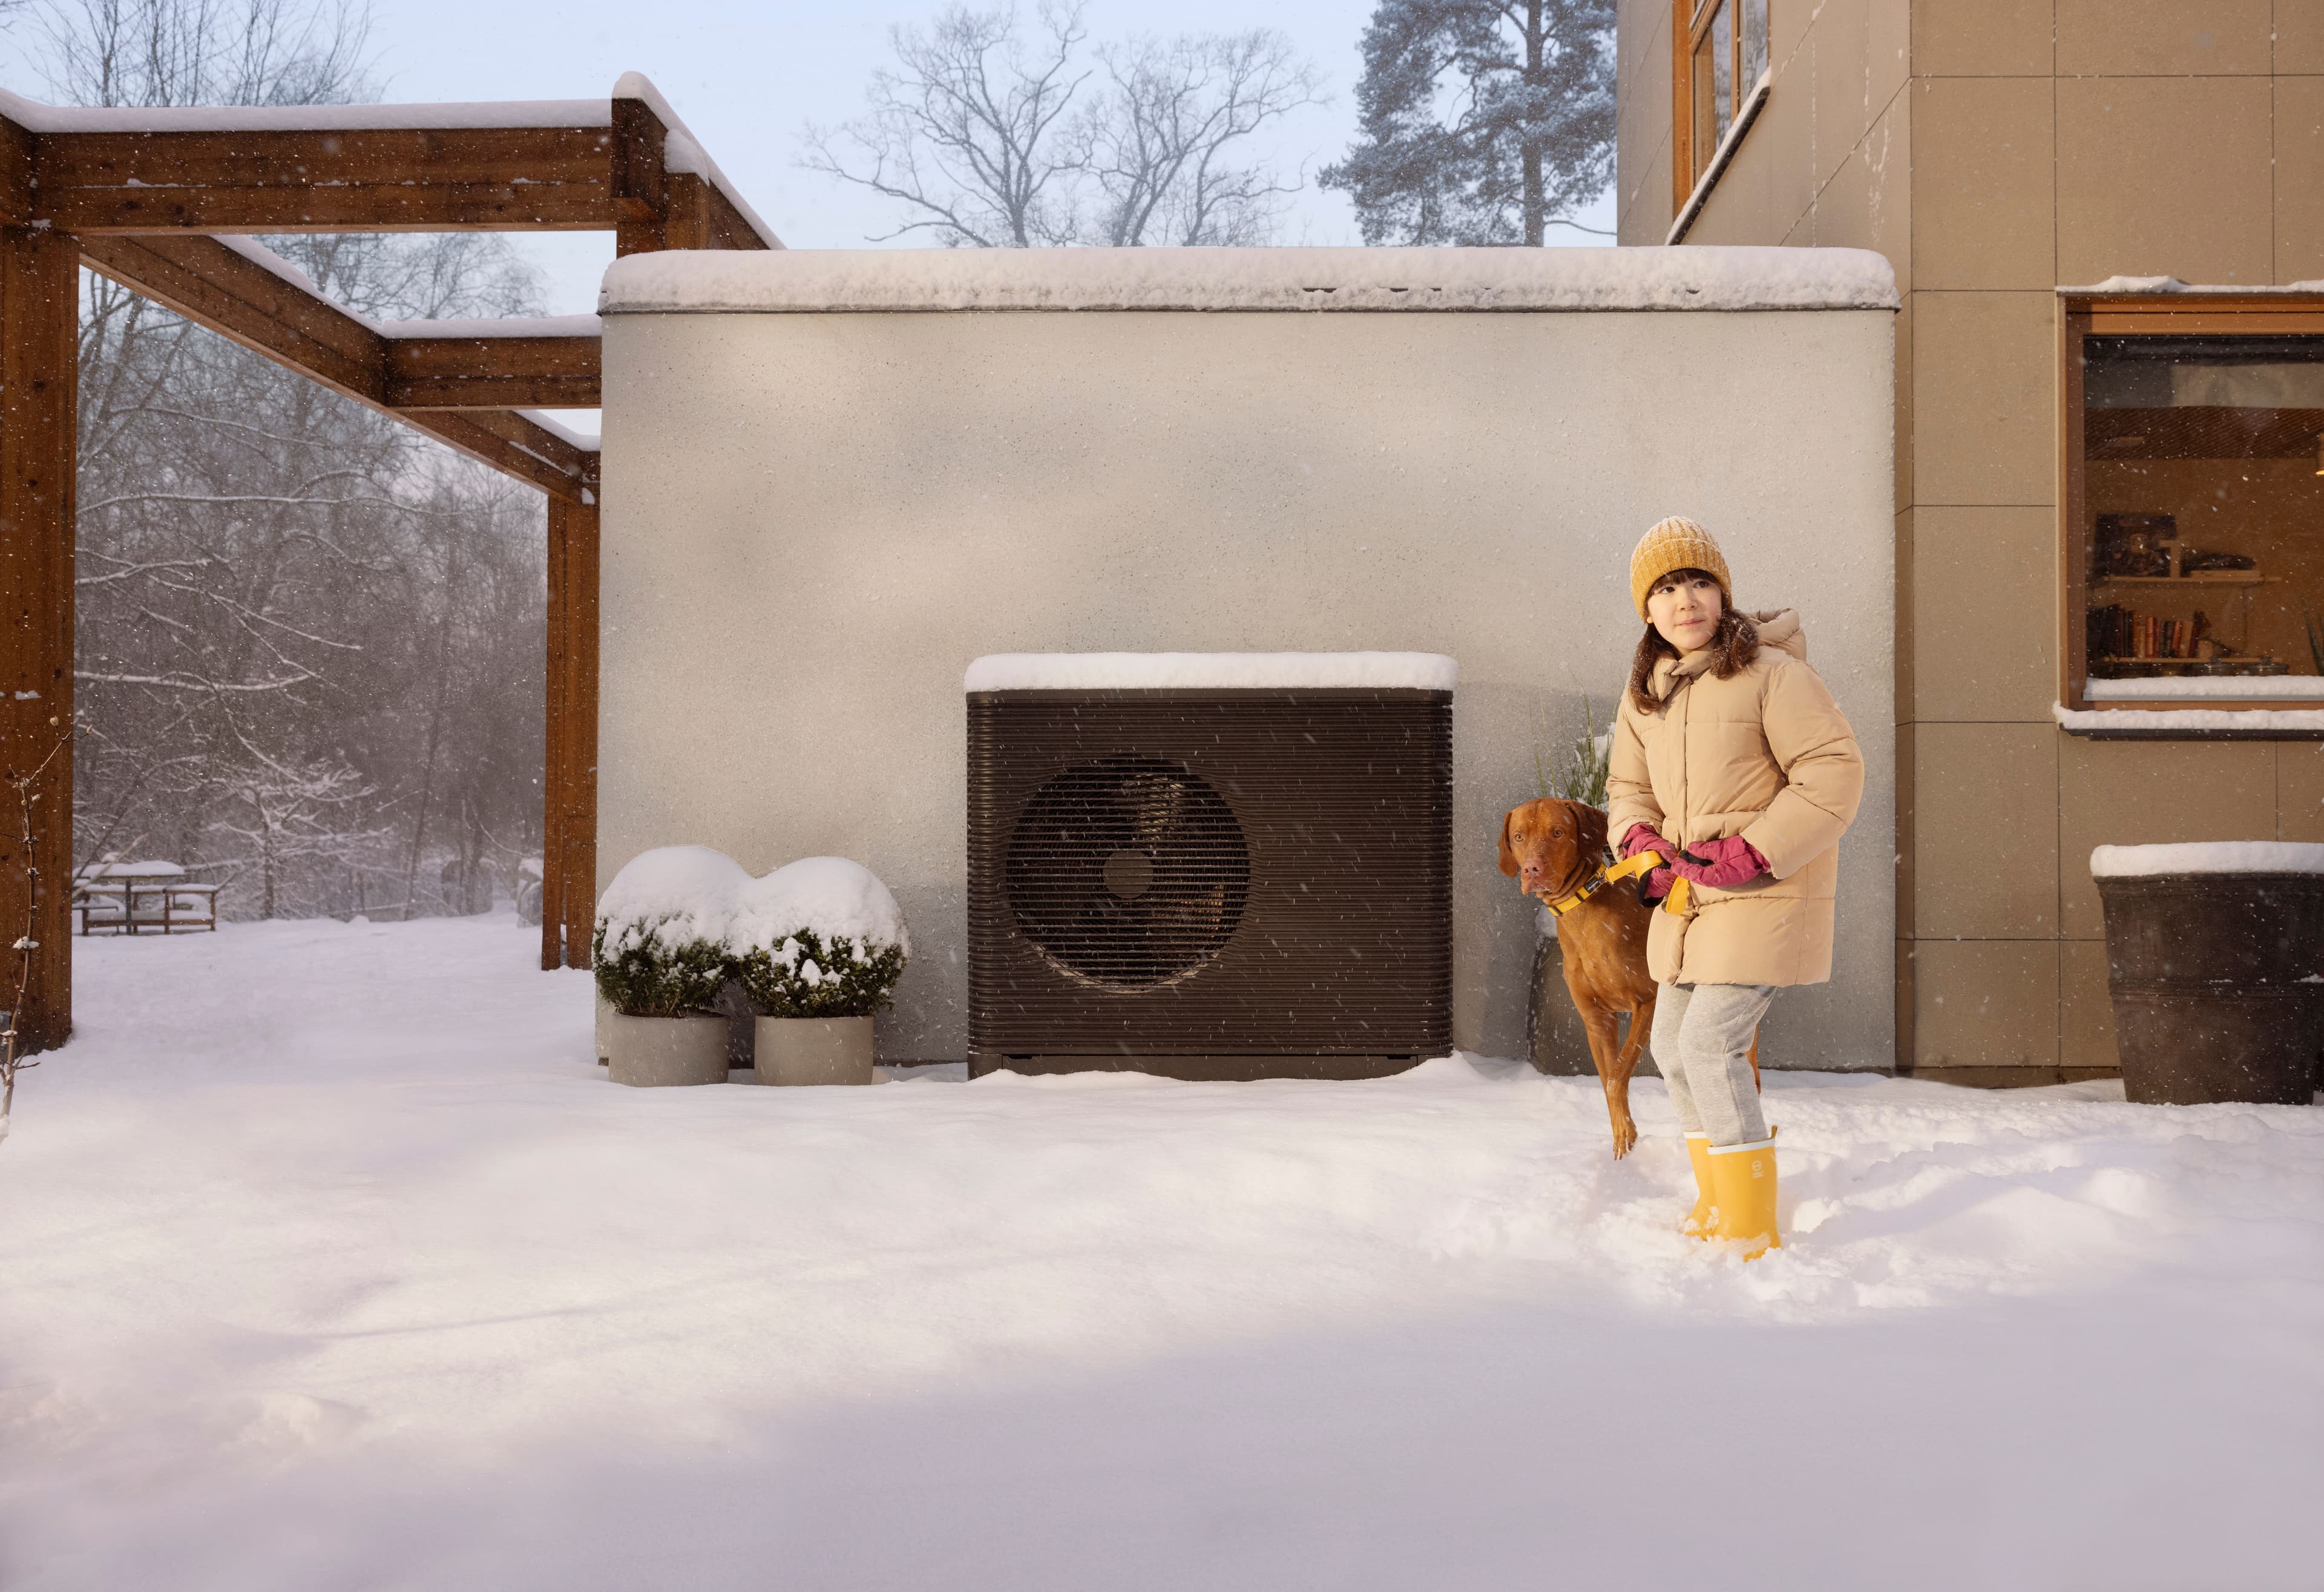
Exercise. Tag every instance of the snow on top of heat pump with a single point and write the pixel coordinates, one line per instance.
(829, 897)
(850, 280)
(2207, 857)
(1068, 671)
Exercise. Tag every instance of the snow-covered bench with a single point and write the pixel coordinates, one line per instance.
(141, 898)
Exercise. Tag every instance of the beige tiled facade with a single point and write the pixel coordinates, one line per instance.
(1993, 150)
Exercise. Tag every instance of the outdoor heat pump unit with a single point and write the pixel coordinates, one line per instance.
(1209, 865)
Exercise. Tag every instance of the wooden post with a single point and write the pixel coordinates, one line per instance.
(40, 302)
(553, 756)
(581, 736)
(569, 885)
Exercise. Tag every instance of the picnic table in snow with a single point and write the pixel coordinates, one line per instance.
(141, 898)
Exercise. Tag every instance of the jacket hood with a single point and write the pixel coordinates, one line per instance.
(1778, 628)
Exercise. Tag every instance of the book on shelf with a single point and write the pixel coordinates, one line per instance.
(2116, 631)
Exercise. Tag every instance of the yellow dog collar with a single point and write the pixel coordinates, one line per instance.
(1645, 862)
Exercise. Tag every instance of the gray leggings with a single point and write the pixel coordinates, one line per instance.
(1702, 1046)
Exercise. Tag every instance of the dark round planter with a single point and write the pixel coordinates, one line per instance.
(2209, 977)
(1554, 1037)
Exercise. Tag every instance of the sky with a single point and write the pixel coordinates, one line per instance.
(746, 78)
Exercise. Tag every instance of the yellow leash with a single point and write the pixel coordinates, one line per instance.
(1645, 862)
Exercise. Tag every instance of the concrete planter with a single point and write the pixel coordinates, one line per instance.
(1555, 1040)
(2209, 975)
(653, 1053)
(813, 1051)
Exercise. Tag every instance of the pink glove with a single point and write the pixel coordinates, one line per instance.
(1643, 838)
(1721, 865)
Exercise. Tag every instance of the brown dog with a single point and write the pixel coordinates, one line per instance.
(1555, 849)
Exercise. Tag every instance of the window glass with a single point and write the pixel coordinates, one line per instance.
(1755, 45)
(1722, 73)
(1710, 114)
(2203, 522)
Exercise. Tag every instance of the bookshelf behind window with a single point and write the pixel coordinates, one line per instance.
(2150, 438)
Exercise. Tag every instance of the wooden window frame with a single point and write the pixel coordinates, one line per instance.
(2182, 314)
(1690, 22)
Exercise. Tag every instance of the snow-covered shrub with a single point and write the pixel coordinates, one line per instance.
(820, 938)
(659, 947)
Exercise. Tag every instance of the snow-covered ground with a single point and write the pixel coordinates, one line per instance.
(329, 1260)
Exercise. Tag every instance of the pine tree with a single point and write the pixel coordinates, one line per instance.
(1483, 121)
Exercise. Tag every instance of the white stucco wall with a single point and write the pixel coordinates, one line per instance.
(813, 522)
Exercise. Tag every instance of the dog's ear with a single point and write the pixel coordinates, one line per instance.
(1509, 857)
(1588, 830)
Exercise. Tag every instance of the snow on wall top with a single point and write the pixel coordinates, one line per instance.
(808, 281)
(1069, 671)
(2207, 857)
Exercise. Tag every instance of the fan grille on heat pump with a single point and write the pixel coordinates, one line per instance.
(1127, 872)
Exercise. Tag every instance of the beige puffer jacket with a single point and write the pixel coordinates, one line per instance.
(1767, 756)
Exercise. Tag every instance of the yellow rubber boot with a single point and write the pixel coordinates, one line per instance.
(1743, 1186)
(1698, 1155)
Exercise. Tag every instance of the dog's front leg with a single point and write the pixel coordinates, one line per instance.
(1613, 1061)
(1633, 1045)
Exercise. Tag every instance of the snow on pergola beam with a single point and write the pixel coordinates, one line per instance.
(625, 165)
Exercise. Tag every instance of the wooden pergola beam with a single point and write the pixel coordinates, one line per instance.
(212, 284)
(515, 446)
(16, 147)
(492, 372)
(629, 175)
(397, 180)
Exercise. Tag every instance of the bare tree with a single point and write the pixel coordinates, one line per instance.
(272, 633)
(1158, 140)
(971, 134)
(154, 52)
(282, 818)
(968, 135)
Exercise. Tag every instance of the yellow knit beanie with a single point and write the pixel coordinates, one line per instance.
(1675, 544)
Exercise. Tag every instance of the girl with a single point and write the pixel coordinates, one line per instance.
(1732, 761)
